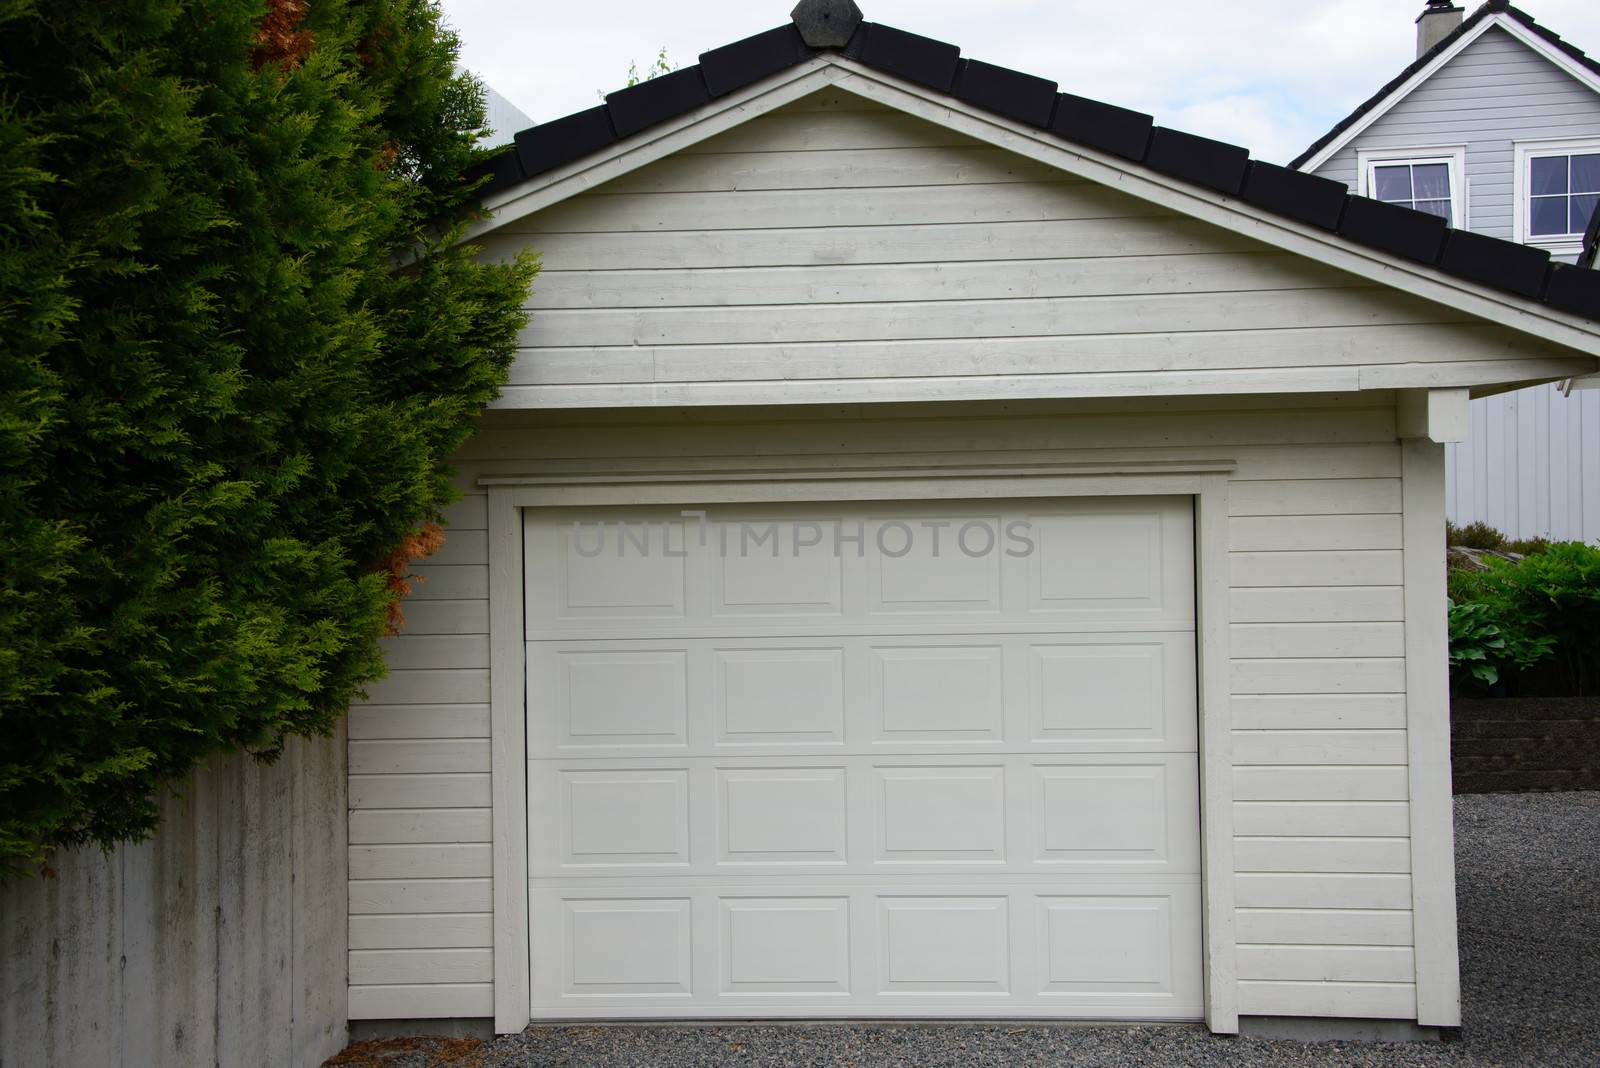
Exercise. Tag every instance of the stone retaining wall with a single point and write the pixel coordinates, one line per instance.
(1524, 744)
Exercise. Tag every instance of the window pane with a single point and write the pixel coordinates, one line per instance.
(1432, 181)
(1549, 174)
(1394, 183)
(1549, 216)
(1440, 208)
(1586, 174)
(1582, 212)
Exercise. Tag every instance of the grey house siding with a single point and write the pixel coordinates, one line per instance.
(1497, 91)
(1532, 465)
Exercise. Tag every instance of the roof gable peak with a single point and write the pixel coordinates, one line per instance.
(1495, 14)
(1025, 114)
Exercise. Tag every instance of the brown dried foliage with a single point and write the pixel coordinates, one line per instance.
(395, 1052)
(278, 40)
(396, 567)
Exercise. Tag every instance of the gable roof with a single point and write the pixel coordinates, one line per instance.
(1493, 13)
(1131, 138)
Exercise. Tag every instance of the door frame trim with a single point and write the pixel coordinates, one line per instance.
(1206, 482)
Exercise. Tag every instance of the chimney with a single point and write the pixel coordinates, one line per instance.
(1437, 21)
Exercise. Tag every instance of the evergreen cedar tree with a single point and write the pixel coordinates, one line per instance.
(237, 342)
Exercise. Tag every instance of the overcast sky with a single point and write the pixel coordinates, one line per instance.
(1272, 75)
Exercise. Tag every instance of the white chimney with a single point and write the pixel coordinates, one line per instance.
(1436, 22)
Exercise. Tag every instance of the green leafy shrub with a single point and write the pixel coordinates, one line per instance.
(1480, 650)
(224, 404)
(1552, 596)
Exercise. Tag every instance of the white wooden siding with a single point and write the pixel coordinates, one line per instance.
(1321, 809)
(420, 902)
(832, 244)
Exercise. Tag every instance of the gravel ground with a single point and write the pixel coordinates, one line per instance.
(1528, 879)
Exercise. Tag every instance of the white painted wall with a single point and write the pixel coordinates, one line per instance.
(1324, 877)
(220, 941)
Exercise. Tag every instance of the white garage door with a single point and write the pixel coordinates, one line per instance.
(864, 760)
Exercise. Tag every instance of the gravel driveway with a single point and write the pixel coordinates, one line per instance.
(1528, 877)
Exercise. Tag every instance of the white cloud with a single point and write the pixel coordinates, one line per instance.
(1264, 73)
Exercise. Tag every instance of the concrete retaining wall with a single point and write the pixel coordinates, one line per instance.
(222, 941)
(1523, 744)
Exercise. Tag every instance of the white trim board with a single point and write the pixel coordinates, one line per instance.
(1383, 107)
(1530, 317)
(1433, 866)
(1208, 486)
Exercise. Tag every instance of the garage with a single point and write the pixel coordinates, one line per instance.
(866, 759)
(945, 547)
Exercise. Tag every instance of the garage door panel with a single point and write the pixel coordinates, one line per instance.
(1072, 950)
(1116, 816)
(902, 693)
(918, 814)
(781, 815)
(607, 571)
(928, 815)
(784, 946)
(799, 575)
(609, 696)
(801, 761)
(767, 695)
(1112, 560)
(1124, 564)
(930, 563)
(1113, 694)
(937, 693)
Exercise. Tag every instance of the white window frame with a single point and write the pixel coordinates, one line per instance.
(1522, 217)
(1453, 156)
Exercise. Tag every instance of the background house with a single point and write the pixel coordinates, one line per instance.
(1495, 127)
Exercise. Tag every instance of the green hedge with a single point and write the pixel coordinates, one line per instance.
(236, 345)
(1515, 614)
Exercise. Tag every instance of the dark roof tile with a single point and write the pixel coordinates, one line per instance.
(550, 144)
(752, 59)
(1318, 201)
(1575, 290)
(906, 55)
(641, 106)
(1213, 164)
(1106, 127)
(1414, 235)
(1006, 92)
(1504, 265)
(502, 169)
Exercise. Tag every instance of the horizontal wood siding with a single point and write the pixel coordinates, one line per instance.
(1320, 781)
(420, 902)
(829, 242)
